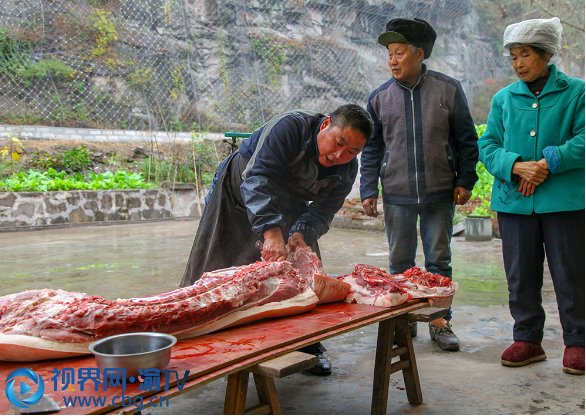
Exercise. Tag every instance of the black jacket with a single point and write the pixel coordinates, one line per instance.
(283, 169)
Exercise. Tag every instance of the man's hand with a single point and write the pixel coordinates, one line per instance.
(532, 172)
(297, 240)
(461, 195)
(274, 248)
(369, 205)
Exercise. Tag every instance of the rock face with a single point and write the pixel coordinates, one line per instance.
(223, 64)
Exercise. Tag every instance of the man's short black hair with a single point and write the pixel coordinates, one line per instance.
(354, 116)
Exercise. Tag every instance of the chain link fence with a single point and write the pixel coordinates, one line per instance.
(214, 65)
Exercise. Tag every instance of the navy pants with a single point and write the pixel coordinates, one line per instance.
(527, 239)
(435, 224)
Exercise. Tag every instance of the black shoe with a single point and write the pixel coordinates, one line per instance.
(413, 329)
(445, 337)
(323, 366)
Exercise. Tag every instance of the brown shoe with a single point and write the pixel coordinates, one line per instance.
(574, 360)
(522, 353)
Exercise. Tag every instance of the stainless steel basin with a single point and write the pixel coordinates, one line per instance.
(133, 351)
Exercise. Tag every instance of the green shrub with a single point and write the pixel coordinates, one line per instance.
(42, 69)
(42, 161)
(13, 60)
(483, 187)
(482, 210)
(77, 159)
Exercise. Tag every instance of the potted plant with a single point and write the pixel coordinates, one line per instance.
(478, 223)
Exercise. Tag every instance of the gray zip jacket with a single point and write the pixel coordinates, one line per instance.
(424, 142)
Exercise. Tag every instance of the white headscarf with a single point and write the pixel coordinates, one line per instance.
(542, 33)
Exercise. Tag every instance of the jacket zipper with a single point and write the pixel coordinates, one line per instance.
(414, 135)
(414, 138)
(414, 143)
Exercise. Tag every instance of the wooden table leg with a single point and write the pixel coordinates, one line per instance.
(410, 373)
(236, 390)
(267, 393)
(382, 367)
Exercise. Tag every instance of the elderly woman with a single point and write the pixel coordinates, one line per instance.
(534, 146)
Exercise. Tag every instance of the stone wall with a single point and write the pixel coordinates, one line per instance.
(19, 210)
(99, 135)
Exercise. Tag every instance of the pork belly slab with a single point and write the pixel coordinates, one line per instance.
(43, 324)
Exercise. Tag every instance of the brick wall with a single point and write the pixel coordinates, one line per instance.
(470, 205)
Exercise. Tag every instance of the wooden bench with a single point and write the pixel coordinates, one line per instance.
(390, 331)
(263, 373)
(396, 331)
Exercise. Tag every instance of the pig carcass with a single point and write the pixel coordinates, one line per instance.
(44, 324)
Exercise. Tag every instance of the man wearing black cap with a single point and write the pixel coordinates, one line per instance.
(424, 149)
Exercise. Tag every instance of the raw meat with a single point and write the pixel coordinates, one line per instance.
(329, 289)
(374, 286)
(423, 284)
(306, 261)
(42, 324)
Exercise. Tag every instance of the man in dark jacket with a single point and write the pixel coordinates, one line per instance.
(286, 182)
(424, 149)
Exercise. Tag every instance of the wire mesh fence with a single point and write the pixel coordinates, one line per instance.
(214, 65)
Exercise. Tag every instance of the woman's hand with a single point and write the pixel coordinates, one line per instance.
(274, 248)
(532, 172)
(297, 240)
(543, 164)
(526, 188)
(369, 205)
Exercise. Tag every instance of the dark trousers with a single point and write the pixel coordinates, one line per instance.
(527, 239)
(436, 234)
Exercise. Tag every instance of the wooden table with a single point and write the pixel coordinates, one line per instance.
(220, 354)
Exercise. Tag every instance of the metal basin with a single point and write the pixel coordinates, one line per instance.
(133, 351)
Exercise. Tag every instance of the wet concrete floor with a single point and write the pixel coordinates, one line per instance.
(133, 260)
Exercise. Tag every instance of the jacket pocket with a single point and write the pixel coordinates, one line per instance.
(451, 158)
(384, 165)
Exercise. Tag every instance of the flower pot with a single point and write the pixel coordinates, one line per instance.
(478, 228)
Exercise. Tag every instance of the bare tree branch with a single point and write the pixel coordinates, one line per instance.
(546, 10)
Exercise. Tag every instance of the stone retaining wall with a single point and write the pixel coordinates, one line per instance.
(99, 135)
(19, 210)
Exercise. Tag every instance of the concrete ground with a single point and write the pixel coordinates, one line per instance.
(134, 260)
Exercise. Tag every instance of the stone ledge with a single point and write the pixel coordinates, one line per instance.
(100, 135)
(12, 229)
